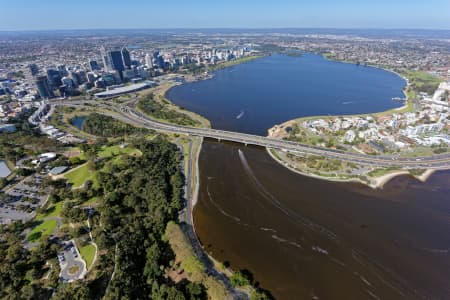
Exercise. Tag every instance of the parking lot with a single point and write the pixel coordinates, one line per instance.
(72, 265)
(22, 200)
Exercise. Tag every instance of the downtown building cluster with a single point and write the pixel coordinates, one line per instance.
(115, 68)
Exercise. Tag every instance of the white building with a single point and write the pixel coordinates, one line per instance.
(423, 129)
(349, 136)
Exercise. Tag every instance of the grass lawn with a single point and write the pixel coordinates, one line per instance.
(91, 201)
(115, 155)
(53, 211)
(88, 253)
(422, 76)
(381, 172)
(44, 229)
(418, 151)
(110, 151)
(423, 81)
(80, 175)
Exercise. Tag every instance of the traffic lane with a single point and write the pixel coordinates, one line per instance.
(261, 141)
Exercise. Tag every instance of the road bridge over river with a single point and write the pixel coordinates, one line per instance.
(129, 114)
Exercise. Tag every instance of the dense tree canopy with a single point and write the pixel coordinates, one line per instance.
(159, 110)
(137, 197)
(105, 126)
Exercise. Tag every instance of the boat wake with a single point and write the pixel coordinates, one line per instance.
(267, 229)
(294, 216)
(281, 240)
(319, 250)
(376, 270)
(223, 212)
(240, 115)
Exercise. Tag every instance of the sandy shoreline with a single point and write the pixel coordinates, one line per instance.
(382, 180)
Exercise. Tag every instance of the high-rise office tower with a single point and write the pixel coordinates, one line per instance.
(115, 58)
(126, 57)
(149, 60)
(106, 61)
(43, 87)
(81, 76)
(62, 70)
(34, 69)
(54, 77)
(75, 79)
(94, 65)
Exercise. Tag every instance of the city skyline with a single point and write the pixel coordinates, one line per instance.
(44, 15)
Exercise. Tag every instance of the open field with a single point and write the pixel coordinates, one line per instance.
(78, 176)
(88, 253)
(44, 229)
(421, 81)
(53, 211)
(111, 151)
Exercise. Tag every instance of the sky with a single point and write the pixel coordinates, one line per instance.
(143, 14)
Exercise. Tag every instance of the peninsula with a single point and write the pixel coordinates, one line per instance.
(417, 129)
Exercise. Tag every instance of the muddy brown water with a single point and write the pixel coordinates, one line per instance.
(304, 238)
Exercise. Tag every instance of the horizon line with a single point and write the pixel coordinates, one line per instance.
(224, 28)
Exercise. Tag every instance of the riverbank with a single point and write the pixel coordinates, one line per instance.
(235, 62)
(339, 171)
(376, 182)
(414, 79)
(154, 104)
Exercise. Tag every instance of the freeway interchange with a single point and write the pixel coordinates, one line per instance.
(128, 114)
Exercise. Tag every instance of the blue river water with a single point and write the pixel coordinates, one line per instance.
(254, 96)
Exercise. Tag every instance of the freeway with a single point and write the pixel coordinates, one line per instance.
(127, 113)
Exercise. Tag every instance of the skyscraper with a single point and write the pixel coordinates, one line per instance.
(126, 57)
(106, 62)
(75, 79)
(43, 87)
(115, 58)
(34, 69)
(54, 77)
(94, 65)
(149, 60)
(62, 70)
